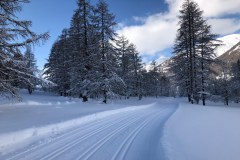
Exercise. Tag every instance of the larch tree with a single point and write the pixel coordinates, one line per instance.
(207, 45)
(154, 81)
(15, 34)
(57, 69)
(193, 51)
(109, 81)
(125, 64)
(135, 73)
(81, 31)
(31, 69)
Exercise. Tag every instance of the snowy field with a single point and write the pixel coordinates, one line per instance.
(203, 133)
(45, 126)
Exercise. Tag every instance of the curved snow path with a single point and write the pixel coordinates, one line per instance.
(132, 135)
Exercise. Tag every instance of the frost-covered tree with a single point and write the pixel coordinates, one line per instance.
(57, 69)
(82, 36)
(135, 73)
(14, 35)
(164, 84)
(206, 46)
(193, 51)
(126, 61)
(99, 63)
(31, 69)
(153, 83)
(108, 80)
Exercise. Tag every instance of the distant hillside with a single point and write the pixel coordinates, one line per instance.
(232, 55)
(228, 53)
(227, 59)
(228, 42)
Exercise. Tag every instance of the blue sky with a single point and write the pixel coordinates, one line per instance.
(150, 24)
(54, 15)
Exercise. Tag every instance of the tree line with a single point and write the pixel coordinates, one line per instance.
(89, 59)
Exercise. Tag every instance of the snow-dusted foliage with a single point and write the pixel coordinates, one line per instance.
(15, 35)
(194, 52)
(90, 60)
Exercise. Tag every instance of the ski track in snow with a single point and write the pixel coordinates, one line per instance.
(129, 135)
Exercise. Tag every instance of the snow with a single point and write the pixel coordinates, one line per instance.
(236, 48)
(46, 126)
(42, 114)
(228, 42)
(8, 140)
(202, 133)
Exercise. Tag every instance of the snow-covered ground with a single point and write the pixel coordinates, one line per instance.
(45, 126)
(227, 43)
(203, 133)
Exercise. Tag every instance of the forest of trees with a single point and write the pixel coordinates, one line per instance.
(90, 60)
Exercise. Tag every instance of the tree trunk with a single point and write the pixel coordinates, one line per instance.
(105, 97)
(85, 98)
(30, 90)
(203, 100)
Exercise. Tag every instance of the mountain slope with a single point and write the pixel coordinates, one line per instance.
(228, 42)
(228, 52)
(232, 55)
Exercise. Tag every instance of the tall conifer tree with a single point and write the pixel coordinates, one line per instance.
(193, 51)
(108, 79)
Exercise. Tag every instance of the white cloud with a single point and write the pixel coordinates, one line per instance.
(157, 32)
(225, 25)
(215, 8)
(211, 8)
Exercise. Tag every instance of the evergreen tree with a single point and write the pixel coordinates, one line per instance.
(108, 80)
(207, 45)
(136, 75)
(193, 51)
(82, 33)
(125, 64)
(164, 84)
(15, 34)
(31, 69)
(153, 83)
(57, 69)
(224, 81)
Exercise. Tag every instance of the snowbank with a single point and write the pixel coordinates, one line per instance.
(196, 132)
(14, 140)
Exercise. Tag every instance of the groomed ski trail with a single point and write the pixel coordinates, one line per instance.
(132, 135)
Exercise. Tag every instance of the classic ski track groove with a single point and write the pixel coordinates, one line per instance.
(72, 133)
(68, 146)
(87, 154)
(64, 135)
(133, 121)
(130, 138)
